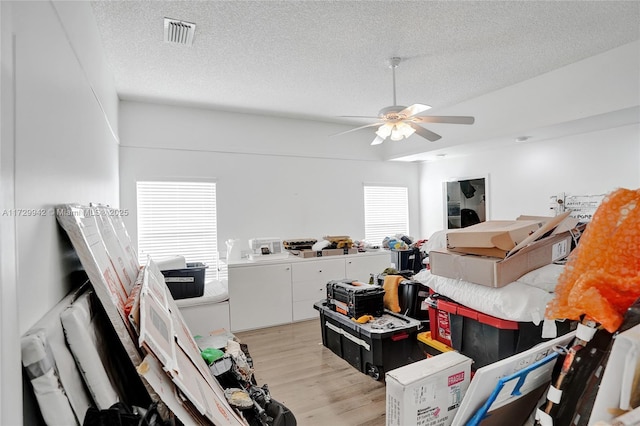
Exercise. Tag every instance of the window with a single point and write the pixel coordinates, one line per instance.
(386, 212)
(178, 218)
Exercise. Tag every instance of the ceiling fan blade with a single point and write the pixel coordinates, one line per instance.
(360, 116)
(444, 119)
(414, 109)
(357, 128)
(377, 141)
(427, 134)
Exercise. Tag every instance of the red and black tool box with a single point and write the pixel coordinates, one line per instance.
(484, 338)
(386, 343)
(354, 299)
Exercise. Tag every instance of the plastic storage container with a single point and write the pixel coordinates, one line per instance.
(411, 295)
(484, 338)
(431, 347)
(187, 282)
(410, 260)
(371, 350)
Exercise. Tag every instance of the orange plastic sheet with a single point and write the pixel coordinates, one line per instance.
(602, 276)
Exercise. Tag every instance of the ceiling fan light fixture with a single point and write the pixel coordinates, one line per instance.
(385, 130)
(397, 131)
(396, 136)
(399, 122)
(404, 130)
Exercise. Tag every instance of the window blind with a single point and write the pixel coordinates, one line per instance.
(386, 212)
(178, 218)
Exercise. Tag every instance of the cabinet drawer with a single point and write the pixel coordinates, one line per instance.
(361, 267)
(304, 310)
(329, 269)
(309, 290)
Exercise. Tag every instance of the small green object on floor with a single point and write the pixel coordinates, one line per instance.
(210, 355)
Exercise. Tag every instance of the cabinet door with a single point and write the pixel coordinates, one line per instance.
(309, 284)
(360, 267)
(259, 296)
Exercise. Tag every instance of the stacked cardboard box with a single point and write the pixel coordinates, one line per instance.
(496, 253)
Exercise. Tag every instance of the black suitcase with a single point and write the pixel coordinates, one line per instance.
(355, 299)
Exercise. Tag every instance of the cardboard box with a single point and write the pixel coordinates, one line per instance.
(330, 252)
(502, 234)
(504, 242)
(307, 253)
(428, 391)
(326, 252)
(497, 272)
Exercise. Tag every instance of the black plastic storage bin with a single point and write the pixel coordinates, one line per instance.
(484, 338)
(370, 350)
(411, 294)
(407, 260)
(353, 300)
(187, 282)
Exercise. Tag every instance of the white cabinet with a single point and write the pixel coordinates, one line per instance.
(279, 292)
(361, 267)
(259, 296)
(309, 284)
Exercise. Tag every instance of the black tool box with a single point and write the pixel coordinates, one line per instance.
(355, 299)
(374, 348)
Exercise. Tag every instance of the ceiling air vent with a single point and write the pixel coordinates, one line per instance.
(178, 32)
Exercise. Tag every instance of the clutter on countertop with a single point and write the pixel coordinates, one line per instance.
(299, 243)
(327, 246)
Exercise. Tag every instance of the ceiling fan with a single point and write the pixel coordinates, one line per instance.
(399, 122)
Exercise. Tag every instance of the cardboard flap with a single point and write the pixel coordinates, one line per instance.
(547, 226)
(481, 251)
(507, 233)
(503, 241)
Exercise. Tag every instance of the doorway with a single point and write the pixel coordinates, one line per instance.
(466, 202)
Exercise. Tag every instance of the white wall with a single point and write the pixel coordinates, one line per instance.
(61, 149)
(287, 183)
(523, 176)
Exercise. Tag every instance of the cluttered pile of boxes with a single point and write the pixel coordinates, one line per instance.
(472, 367)
(493, 254)
(361, 325)
(461, 341)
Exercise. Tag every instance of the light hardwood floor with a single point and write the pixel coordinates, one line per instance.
(319, 387)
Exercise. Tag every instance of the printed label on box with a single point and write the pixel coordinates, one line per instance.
(559, 250)
(179, 279)
(455, 396)
(583, 207)
(444, 326)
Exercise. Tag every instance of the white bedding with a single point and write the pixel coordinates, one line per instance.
(523, 300)
(215, 291)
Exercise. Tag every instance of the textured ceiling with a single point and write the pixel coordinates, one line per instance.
(325, 59)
